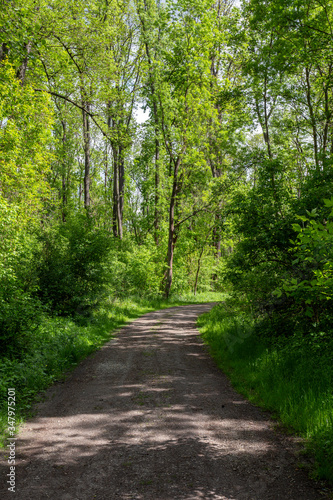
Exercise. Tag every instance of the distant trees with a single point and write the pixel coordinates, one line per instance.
(287, 65)
(237, 145)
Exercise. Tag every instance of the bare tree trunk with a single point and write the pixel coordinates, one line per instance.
(156, 121)
(157, 175)
(64, 200)
(264, 123)
(21, 72)
(118, 192)
(328, 113)
(63, 173)
(172, 234)
(312, 117)
(115, 193)
(216, 172)
(3, 52)
(157, 197)
(106, 171)
(120, 211)
(86, 143)
(198, 270)
(217, 237)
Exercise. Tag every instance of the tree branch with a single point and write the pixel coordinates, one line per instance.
(65, 98)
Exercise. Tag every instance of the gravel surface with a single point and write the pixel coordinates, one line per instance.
(150, 417)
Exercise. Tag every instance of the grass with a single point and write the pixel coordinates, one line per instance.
(59, 344)
(293, 378)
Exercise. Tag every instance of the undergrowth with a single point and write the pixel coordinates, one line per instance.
(291, 377)
(60, 343)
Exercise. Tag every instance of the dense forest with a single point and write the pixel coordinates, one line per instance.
(156, 149)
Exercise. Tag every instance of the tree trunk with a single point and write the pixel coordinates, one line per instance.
(157, 175)
(312, 117)
(157, 198)
(118, 192)
(86, 144)
(156, 121)
(115, 193)
(63, 173)
(3, 52)
(21, 72)
(198, 270)
(216, 173)
(172, 234)
(106, 173)
(64, 199)
(217, 238)
(120, 211)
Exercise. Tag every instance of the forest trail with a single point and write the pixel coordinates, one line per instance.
(150, 417)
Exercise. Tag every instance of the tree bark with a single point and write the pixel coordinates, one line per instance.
(121, 191)
(21, 72)
(312, 117)
(115, 193)
(121, 172)
(157, 178)
(156, 122)
(172, 233)
(118, 192)
(198, 270)
(63, 173)
(199, 262)
(86, 146)
(3, 52)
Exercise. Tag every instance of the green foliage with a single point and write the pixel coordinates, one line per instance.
(25, 134)
(25, 121)
(136, 269)
(19, 312)
(262, 217)
(72, 265)
(313, 262)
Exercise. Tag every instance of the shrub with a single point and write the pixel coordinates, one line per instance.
(72, 266)
(19, 311)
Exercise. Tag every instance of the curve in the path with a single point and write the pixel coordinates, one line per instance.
(150, 417)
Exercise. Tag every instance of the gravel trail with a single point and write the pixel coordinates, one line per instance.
(150, 417)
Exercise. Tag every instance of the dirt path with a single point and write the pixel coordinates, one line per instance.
(150, 417)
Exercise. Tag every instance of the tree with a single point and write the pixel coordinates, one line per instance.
(25, 135)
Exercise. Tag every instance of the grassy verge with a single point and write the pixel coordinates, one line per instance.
(60, 343)
(292, 378)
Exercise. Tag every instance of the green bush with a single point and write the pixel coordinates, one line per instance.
(136, 269)
(311, 285)
(19, 318)
(19, 311)
(73, 265)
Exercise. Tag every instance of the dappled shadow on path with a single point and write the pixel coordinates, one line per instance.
(150, 417)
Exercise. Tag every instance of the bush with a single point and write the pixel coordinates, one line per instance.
(311, 285)
(19, 311)
(136, 270)
(72, 266)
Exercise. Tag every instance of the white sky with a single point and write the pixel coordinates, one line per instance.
(140, 116)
